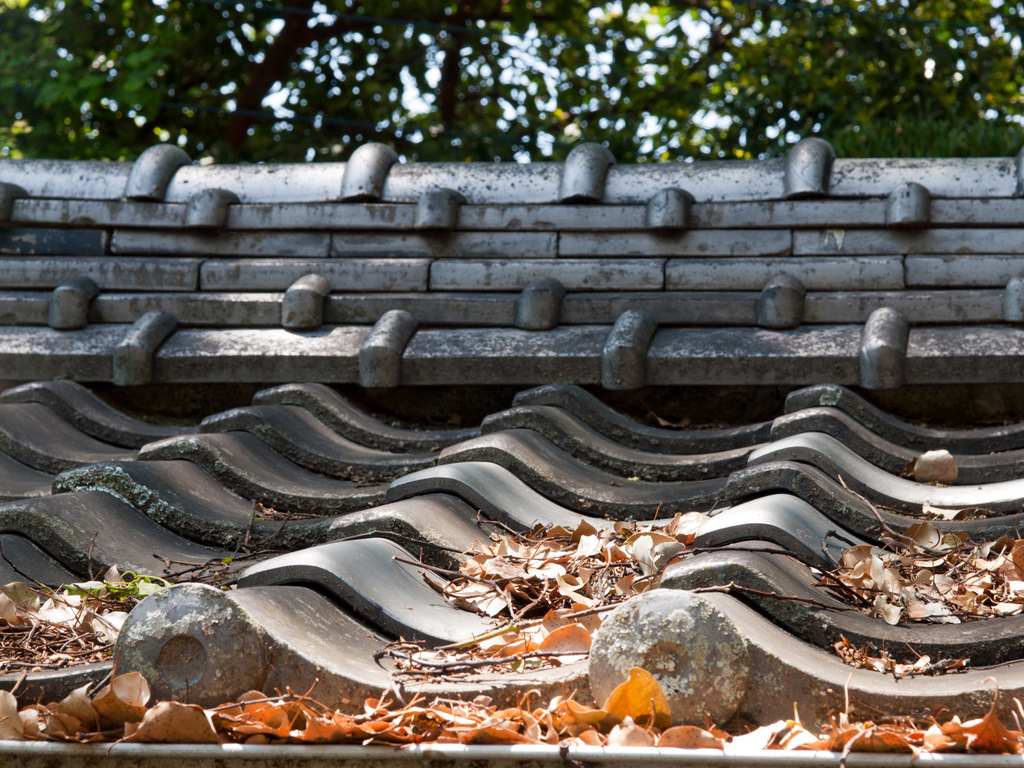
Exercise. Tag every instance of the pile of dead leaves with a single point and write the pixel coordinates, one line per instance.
(52, 629)
(556, 584)
(882, 661)
(553, 585)
(925, 575)
(636, 714)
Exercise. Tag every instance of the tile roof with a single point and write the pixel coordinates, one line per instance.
(786, 271)
(809, 271)
(350, 582)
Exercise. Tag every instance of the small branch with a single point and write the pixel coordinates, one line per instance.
(732, 586)
(400, 537)
(478, 663)
(92, 543)
(523, 625)
(444, 571)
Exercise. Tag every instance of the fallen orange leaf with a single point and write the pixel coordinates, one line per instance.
(640, 698)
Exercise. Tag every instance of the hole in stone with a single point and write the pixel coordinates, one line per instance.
(182, 660)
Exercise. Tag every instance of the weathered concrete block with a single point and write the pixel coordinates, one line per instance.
(30, 354)
(479, 183)
(261, 183)
(961, 271)
(883, 350)
(366, 171)
(313, 216)
(24, 308)
(528, 217)
(584, 172)
(919, 307)
(8, 194)
(708, 308)
(476, 310)
(1013, 300)
(788, 214)
(669, 209)
(729, 180)
(540, 304)
(438, 209)
(624, 358)
(369, 275)
(221, 244)
(124, 273)
(781, 303)
(504, 356)
(973, 355)
(71, 179)
(223, 310)
(98, 213)
(261, 355)
(909, 205)
(694, 242)
(303, 303)
(947, 177)
(380, 357)
(153, 170)
(69, 303)
(1018, 166)
(52, 242)
(132, 359)
(948, 243)
(860, 273)
(208, 209)
(574, 274)
(809, 168)
(453, 246)
(722, 356)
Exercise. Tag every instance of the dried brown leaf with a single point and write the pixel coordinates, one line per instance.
(172, 722)
(123, 700)
(689, 737)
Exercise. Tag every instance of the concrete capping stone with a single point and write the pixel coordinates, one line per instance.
(781, 303)
(669, 209)
(1013, 300)
(153, 171)
(539, 306)
(624, 357)
(909, 205)
(380, 357)
(883, 349)
(171, 641)
(584, 174)
(366, 171)
(303, 304)
(209, 208)
(8, 194)
(809, 169)
(132, 360)
(69, 303)
(438, 209)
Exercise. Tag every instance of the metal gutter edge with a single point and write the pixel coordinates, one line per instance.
(16, 754)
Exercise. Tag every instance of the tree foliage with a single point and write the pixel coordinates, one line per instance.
(287, 80)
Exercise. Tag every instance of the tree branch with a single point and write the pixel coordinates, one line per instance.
(293, 38)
